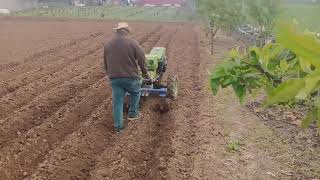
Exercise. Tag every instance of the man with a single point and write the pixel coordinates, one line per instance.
(122, 56)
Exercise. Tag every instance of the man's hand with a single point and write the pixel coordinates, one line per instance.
(146, 76)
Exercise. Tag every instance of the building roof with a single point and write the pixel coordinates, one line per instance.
(160, 2)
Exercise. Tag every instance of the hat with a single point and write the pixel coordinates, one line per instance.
(122, 25)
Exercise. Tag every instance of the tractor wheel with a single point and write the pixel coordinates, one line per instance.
(172, 85)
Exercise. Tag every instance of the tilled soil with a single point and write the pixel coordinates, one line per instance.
(56, 120)
(55, 105)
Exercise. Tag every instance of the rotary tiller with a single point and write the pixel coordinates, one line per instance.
(156, 62)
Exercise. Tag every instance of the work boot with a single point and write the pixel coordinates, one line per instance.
(119, 130)
(137, 117)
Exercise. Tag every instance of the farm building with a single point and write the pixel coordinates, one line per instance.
(162, 2)
(72, 2)
(4, 11)
(151, 2)
(88, 2)
(120, 2)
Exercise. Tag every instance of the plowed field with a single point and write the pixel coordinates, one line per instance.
(55, 103)
(56, 121)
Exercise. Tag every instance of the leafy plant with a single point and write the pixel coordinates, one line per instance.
(263, 13)
(234, 146)
(255, 69)
(289, 70)
(308, 86)
(220, 14)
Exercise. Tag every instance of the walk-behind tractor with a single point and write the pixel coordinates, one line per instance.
(157, 65)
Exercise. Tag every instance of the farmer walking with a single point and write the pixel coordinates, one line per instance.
(122, 57)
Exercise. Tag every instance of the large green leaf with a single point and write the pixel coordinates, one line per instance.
(215, 83)
(251, 75)
(311, 82)
(226, 81)
(240, 91)
(254, 54)
(229, 65)
(305, 46)
(234, 53)
(284, 65)
(305, 65)
(275, 50)
(284, 92)
(218, 73)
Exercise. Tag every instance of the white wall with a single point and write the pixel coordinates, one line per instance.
(4, 11)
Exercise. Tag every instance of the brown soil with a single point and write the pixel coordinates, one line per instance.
(55, 109)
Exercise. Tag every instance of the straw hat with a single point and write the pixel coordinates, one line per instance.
(122, 25)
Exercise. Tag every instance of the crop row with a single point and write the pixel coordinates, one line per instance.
(112, 12)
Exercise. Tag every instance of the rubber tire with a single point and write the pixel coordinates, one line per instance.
(172, 87)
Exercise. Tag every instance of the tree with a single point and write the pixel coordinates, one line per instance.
(220, 14)
(289, 70)
(263, 14)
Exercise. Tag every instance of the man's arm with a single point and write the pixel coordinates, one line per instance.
(141, 58)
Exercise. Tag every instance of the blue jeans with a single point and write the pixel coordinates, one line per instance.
(119, 88)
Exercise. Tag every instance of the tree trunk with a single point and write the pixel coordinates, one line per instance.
(213, 34)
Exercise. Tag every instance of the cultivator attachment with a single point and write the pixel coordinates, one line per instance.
(157, 65)
(170, 90)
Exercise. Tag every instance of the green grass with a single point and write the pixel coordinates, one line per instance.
(308, 15)
(234, 146)
(166, 14)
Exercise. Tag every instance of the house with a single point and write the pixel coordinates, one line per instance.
(163, 2)
(4, 11)
(88, 2)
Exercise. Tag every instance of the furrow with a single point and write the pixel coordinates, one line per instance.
(186, 115)
(25, 94)
(21, 157)
(43, 54)
(48, 57)
(150, 34)
(18, 98)
(43, 106)
(20, 121)
(128, 155)
(68, 58)
(9, 85)
(163, 128)
(82, 162)
(30, 147)
(89, 140)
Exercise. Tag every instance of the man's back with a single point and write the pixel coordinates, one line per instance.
(122, 56)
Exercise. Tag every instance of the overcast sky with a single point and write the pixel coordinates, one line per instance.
(16, 4)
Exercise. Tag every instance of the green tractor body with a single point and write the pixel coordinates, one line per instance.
(156, 60)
